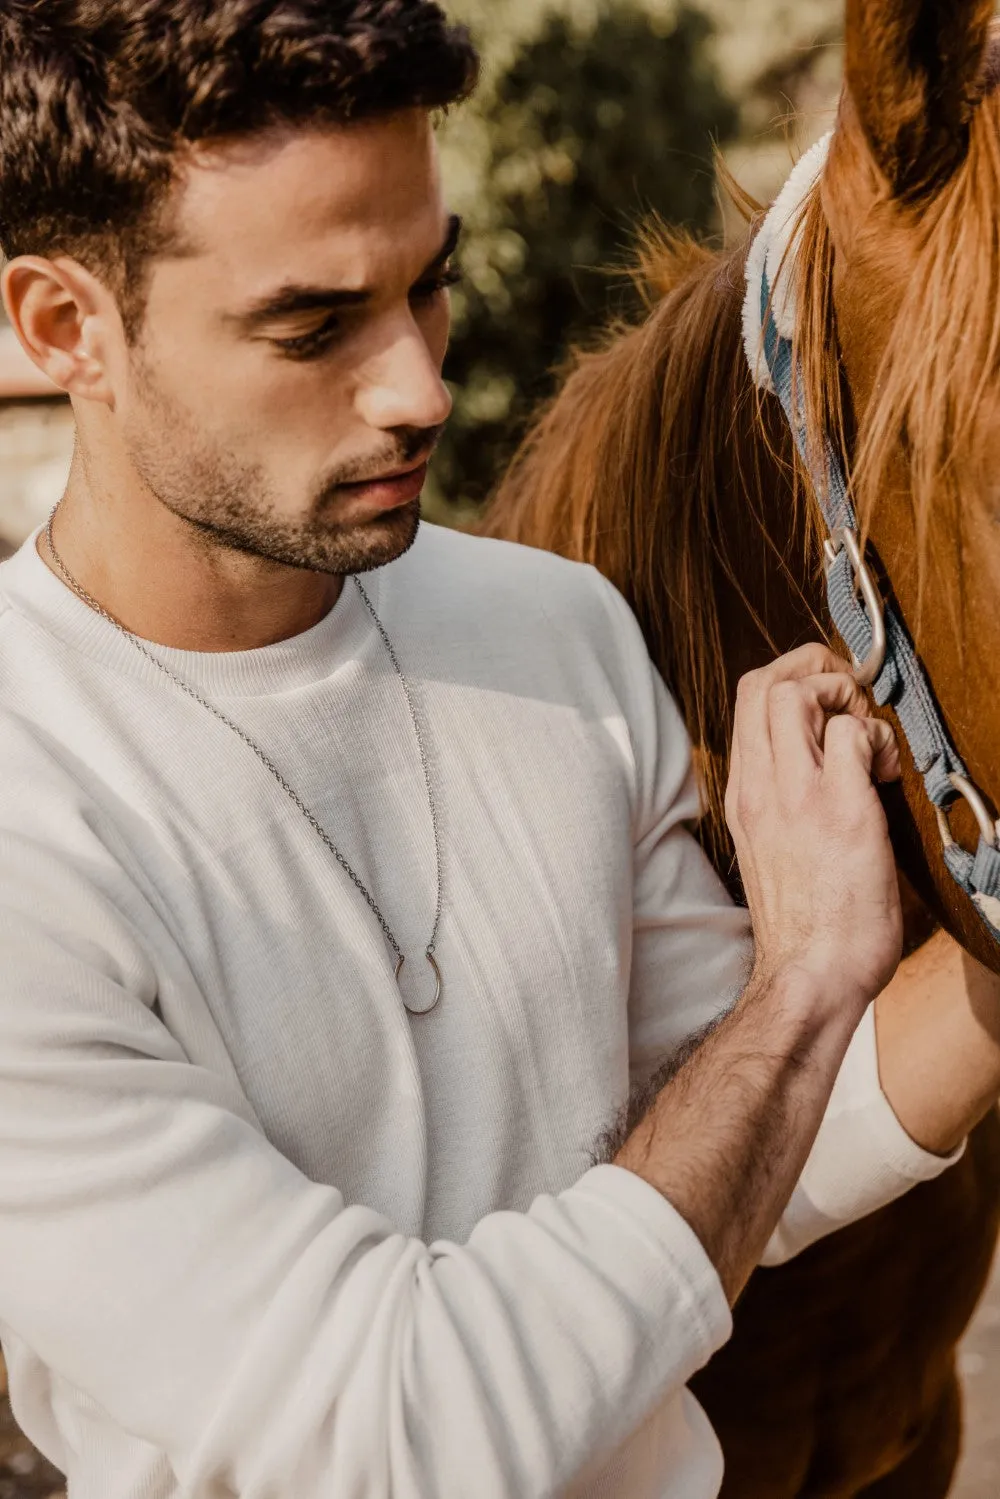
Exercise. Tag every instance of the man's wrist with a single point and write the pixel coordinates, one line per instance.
(819, 978)
(807, 997)
(766, 1074)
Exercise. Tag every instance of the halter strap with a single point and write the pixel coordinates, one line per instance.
(900, 682)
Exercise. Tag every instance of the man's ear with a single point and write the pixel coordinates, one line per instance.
(915, 71)
(57, 309)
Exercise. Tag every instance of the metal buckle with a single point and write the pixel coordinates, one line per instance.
(846, 539)
(988, 828)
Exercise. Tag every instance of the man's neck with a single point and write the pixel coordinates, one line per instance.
(159, 578)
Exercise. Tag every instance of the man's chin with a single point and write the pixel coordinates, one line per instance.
(377, 542)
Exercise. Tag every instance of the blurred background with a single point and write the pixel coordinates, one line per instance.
(593, 114)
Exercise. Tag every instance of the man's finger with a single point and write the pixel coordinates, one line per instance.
(839, 693)
(886, 762)
(733, 788)
(799, 712)
(752, 730)
(859, 750)
(831, 692)
(808, 661)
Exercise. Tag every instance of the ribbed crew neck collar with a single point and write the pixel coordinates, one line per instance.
(50, 604)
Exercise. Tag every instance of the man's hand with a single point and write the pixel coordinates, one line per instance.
(729, 1134)
(810, 833)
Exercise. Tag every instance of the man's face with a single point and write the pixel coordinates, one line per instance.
(295, 354)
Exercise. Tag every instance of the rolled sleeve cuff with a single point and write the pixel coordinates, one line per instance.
(661, 1259)
(862, 1160)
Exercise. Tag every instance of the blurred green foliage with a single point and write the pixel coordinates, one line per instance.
(600, 115)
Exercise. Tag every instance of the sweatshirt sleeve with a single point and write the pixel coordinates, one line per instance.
(692, 955)
(157, 1252)
(862, 1160)
(692, 951)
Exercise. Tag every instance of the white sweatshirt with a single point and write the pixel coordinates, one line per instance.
(264, 1234)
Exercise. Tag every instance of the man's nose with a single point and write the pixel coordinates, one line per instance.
(404, 387)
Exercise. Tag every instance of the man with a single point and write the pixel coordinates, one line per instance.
(345, 878)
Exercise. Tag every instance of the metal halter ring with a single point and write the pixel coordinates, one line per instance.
(845, 539)
(988, 828)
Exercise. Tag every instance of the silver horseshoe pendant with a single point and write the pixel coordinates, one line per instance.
(425, 1009)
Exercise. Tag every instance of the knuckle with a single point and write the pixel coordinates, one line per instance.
(732, 815)
(839, 683)
(813, 659)
(748, 685)
(818, 654)
(748, 802)
(853, 731)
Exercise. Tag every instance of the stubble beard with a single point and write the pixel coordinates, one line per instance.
(229, 503)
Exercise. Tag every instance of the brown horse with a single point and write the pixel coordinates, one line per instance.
(658, 463)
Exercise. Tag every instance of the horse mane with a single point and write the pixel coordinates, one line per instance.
(631, 467)
(657, 431)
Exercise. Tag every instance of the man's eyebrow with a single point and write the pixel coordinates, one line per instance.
(298, 298)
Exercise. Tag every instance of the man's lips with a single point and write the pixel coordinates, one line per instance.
(389, 493)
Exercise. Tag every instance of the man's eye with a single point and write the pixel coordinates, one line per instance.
(305, 345)
(310, 345)
(425, 290)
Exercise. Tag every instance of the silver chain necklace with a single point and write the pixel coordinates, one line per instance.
(413, 1008)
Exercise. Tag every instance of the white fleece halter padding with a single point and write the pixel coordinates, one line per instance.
(773, 252)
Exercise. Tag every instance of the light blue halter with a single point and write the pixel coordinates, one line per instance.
(883, 652)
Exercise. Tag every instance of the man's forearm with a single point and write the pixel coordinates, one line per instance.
(938, 1029)
(727, 1138)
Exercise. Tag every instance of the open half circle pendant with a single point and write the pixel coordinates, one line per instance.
(426, 1008)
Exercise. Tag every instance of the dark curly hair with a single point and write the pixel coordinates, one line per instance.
(99, 100)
